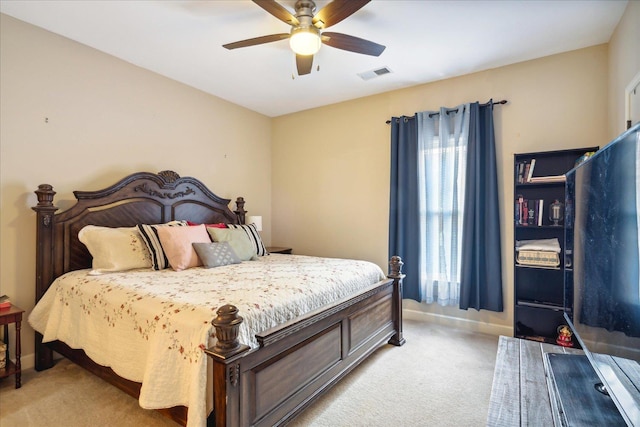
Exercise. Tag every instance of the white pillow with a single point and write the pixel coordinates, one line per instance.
(115, 249)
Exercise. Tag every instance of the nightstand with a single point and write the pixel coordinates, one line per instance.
(10, 315)
(279, 250)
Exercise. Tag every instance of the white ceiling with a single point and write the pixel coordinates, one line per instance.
(426, 41)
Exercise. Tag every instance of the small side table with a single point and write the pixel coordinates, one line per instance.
(10, 315)
(279, 250)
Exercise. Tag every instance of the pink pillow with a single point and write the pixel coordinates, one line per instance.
(177, 245)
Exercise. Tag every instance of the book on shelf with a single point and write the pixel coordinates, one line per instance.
(531, 166)
(519, 171)
(529, 212)
(524, 170)
(5, 302)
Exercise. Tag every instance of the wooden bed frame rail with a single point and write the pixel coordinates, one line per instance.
(295, 363)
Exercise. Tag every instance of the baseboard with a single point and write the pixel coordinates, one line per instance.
(27, 361)
(458, 323)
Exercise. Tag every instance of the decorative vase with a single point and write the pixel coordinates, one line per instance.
(556, 212)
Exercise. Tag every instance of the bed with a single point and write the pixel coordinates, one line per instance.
(266, 378)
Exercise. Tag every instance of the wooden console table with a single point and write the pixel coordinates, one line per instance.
(523, 392)
(520, 394)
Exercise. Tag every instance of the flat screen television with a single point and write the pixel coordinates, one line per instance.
(602, 263)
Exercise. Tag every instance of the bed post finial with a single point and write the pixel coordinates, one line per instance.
(45, 195)
(396, 266)
(227, 325)
(240, 212)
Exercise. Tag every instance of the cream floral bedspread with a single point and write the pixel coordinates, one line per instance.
(152, 326)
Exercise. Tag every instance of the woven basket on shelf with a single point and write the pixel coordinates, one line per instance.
(538, 258)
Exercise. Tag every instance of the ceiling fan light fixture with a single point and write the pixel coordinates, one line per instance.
(305, 40)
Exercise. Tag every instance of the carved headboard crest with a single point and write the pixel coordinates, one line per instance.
(169, 176)
(163, 194)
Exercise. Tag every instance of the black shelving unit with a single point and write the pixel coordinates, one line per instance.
(539, 290)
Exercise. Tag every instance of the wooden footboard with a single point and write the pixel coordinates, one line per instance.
(300, 360)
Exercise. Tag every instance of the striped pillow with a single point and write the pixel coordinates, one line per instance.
(150, 237)
(254, 236)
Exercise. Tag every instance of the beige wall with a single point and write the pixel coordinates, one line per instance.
(331, 165)
(624, 64)
(106, 119)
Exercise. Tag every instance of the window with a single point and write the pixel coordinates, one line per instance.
(442, 168)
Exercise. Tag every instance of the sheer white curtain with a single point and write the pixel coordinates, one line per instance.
(442, 143)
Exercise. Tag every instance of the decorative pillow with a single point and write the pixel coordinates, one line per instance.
(217, 225)
(237, 239)
(150, 237)
(216, 254)
(115, 249)
(177, 244)
(254, 237)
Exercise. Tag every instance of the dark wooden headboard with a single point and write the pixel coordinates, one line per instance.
(140, 198)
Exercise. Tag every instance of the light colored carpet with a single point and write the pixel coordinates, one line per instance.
(440, 377)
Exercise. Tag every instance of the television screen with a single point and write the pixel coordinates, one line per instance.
(602, 261)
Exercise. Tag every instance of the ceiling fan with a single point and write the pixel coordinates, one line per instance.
(307, 32)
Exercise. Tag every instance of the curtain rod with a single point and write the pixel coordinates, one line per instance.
(455, 110)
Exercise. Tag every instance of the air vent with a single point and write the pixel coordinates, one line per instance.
(368, 75)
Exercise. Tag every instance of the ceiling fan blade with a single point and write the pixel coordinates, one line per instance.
(257, 40)
(352, 44)
(278, 11)
(336, 11)
(304, 64)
